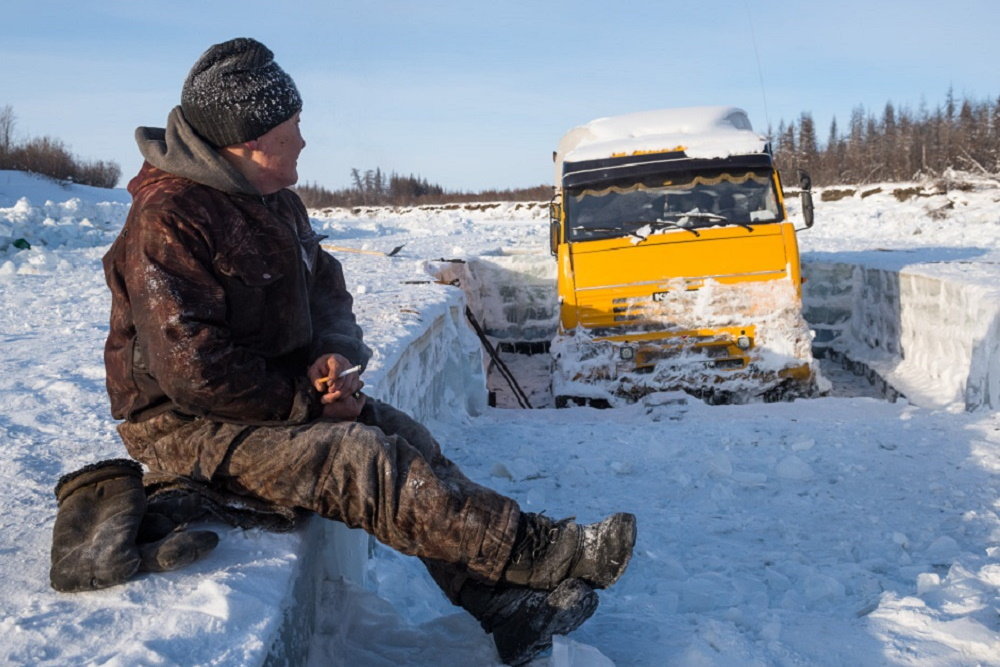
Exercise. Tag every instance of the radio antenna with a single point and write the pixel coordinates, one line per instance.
(760, 71)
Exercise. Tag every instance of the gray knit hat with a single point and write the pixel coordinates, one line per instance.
(236, 92)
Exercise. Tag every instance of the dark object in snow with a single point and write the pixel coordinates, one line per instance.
(547, 552)
(522, 620)
(362, 251)
(21, 244)
(100, 525)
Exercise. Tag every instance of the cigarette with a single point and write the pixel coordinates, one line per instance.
(350, 371)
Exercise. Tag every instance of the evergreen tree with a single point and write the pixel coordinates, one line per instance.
(896, 145)
(808, 147)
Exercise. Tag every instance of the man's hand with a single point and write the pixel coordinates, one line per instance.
(345, 409)
(341, 396)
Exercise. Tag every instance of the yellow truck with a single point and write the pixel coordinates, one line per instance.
(677, 265)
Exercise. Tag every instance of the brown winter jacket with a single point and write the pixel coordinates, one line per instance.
(220, 300)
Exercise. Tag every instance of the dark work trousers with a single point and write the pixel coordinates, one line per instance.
(384, 473)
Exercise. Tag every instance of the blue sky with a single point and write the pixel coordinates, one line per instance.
(474, 95)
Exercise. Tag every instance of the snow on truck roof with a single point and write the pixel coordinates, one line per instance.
(701, 132)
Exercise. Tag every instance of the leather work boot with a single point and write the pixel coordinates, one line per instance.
(547, 552)
(522, 620)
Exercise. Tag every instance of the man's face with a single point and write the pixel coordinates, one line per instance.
(276, 155)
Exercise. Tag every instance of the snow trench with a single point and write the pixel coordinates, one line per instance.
(935, 340)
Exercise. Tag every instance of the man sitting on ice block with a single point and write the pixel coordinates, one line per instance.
(234, 360)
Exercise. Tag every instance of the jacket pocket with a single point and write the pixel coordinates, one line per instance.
(248, 283)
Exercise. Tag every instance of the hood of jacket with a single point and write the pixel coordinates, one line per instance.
(179, 150)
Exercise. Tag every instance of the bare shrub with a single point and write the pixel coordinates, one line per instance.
(44, 155)
(902, 194)
(949, 182)
(7, 122)
(836, 195)
(374, 188)
(941, 212)
(100, 174)
(51, 157)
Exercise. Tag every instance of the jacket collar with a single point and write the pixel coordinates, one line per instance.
(179, 150)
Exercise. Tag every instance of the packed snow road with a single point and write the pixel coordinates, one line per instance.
(828, 531)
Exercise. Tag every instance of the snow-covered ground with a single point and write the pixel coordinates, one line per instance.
(831, 531)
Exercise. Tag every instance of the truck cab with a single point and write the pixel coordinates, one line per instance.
(678, 268)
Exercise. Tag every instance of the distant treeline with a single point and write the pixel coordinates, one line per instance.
(897, 145)
(50, 157)
(375, 188)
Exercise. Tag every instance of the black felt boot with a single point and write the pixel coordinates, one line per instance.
(93, 541)
(523, 620)
(96, 537)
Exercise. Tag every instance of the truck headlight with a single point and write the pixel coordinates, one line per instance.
(743, 342)
(626, 353)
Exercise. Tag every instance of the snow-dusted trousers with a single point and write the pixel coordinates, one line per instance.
(384, 473)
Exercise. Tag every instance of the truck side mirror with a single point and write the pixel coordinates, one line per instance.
(806, 197)
(555, 219)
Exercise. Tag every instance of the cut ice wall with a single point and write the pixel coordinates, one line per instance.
(438, 369)
(935, 339)
(512, 296)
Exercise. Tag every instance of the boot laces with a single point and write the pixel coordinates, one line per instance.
(539, 532)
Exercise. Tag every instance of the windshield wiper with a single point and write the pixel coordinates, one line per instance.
(606, 230)
(639, 224)
(712, 217)
(618, 231)
(660, 224)
(670, 224)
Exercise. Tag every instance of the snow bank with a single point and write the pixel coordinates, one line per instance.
(15, 185)
(63, 217)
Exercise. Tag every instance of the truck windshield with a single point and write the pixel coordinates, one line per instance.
(666, 202)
